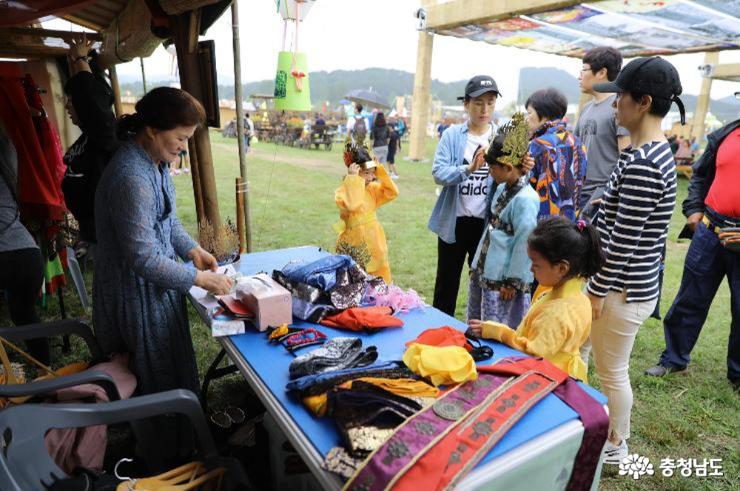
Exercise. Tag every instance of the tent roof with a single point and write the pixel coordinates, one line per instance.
(570, 28)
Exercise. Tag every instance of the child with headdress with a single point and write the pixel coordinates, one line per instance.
(366, 187)
(500, 276)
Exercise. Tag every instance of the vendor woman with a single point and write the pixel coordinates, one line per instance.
(139, 283)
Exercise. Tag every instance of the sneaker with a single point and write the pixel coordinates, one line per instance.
(394, 176)
(186, 170)
(661, 371)
(613, 454)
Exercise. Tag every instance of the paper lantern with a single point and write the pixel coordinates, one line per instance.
(292, 91)
(294, 9)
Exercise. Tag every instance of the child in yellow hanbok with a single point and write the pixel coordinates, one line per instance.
(366, 188)
(557, 324)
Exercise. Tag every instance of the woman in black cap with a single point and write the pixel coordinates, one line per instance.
(462, 208)
(632, 222)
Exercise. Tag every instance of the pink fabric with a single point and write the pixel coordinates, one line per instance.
(85, 447)
(396, 299)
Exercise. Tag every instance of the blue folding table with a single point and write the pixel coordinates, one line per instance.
(537, 453)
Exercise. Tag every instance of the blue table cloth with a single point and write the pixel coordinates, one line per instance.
(270, 362)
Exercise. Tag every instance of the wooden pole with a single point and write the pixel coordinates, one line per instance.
(118, 107)
(143, 74)
(240, 215)
(422, 97)
(702, 103)
(239, 98)
(186, 27)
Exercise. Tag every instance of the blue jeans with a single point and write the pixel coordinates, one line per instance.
(707, 264)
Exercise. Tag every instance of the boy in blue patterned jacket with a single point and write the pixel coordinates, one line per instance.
(500, 276)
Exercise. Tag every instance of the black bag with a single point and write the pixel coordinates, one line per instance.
(86, 480)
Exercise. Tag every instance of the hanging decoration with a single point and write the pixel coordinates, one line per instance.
(292, 88)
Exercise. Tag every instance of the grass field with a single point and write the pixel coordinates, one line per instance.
(695, 416)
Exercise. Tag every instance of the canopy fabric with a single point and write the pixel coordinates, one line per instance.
(634, 27)
(369, 98)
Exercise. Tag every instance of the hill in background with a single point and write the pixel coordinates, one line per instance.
(332, 86)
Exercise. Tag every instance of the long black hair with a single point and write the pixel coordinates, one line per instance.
(558, 239)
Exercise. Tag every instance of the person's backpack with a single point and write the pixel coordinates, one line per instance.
(359, 132)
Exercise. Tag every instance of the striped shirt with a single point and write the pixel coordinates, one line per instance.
(633, 222)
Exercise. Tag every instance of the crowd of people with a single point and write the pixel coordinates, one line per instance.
(564, 232)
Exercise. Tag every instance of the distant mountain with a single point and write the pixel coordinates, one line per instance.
(532, 79)
(332, 86)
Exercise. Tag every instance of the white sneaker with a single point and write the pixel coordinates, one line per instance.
(394, 176)
(613, 454)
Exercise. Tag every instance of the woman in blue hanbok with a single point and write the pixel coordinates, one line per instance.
(140, 283)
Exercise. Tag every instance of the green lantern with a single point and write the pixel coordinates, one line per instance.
(292, 91)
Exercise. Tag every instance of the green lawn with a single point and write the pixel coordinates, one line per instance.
(692, 416)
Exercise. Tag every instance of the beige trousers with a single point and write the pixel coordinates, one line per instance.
(612, 338)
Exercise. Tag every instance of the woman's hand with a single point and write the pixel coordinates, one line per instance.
(597, 305)
(202, 259)
(527, 163)
(353, 169)
(506, 293)
(218, 284)
(79, 48)
(475, 327)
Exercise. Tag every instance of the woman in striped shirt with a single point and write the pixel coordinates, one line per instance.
(633, 223)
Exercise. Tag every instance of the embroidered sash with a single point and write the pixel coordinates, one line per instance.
(443, 466)
(594, 418)
(421, 432)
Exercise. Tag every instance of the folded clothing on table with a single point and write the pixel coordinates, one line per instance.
(335, 354)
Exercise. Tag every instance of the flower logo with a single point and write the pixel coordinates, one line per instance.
(636, 466)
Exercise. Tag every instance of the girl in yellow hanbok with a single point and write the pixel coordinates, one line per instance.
(366, 187)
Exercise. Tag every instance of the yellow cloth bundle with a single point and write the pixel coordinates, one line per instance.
(442, 365)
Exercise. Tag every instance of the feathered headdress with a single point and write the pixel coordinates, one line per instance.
(357, 154)
(511, 142)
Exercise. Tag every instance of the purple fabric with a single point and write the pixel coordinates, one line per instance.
(595, 428)
(410, 440)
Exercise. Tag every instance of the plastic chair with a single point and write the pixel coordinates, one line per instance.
(25, 464)
(56, 328)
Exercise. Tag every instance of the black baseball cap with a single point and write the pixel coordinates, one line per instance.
(653, 76)
(479, 85)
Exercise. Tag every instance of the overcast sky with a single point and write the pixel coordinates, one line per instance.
(355, 34)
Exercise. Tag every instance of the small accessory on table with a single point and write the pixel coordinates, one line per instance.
(303, 338)
(279, 333)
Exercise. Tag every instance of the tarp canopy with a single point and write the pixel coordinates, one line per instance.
(634, 27)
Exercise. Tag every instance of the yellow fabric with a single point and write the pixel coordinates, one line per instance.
(442, 365)
(357, 204)
(555, 328)
(406, 387)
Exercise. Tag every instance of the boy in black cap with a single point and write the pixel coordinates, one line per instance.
(632, 221)
(458, 217)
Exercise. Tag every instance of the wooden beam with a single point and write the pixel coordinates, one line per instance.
(422, 96)
(83, 22)
(201, 158)
(726, 71)
(9, 51)
(48, 33)
(118, 107)
(460, 12)
(702, 102)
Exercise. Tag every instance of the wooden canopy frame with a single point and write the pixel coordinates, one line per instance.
(455, 13)
(122, 20)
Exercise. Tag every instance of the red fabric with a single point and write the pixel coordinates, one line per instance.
(442, 336)
(516, 366)
(363, 319)
(723, 196)
(20, 13)
(39, 156)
